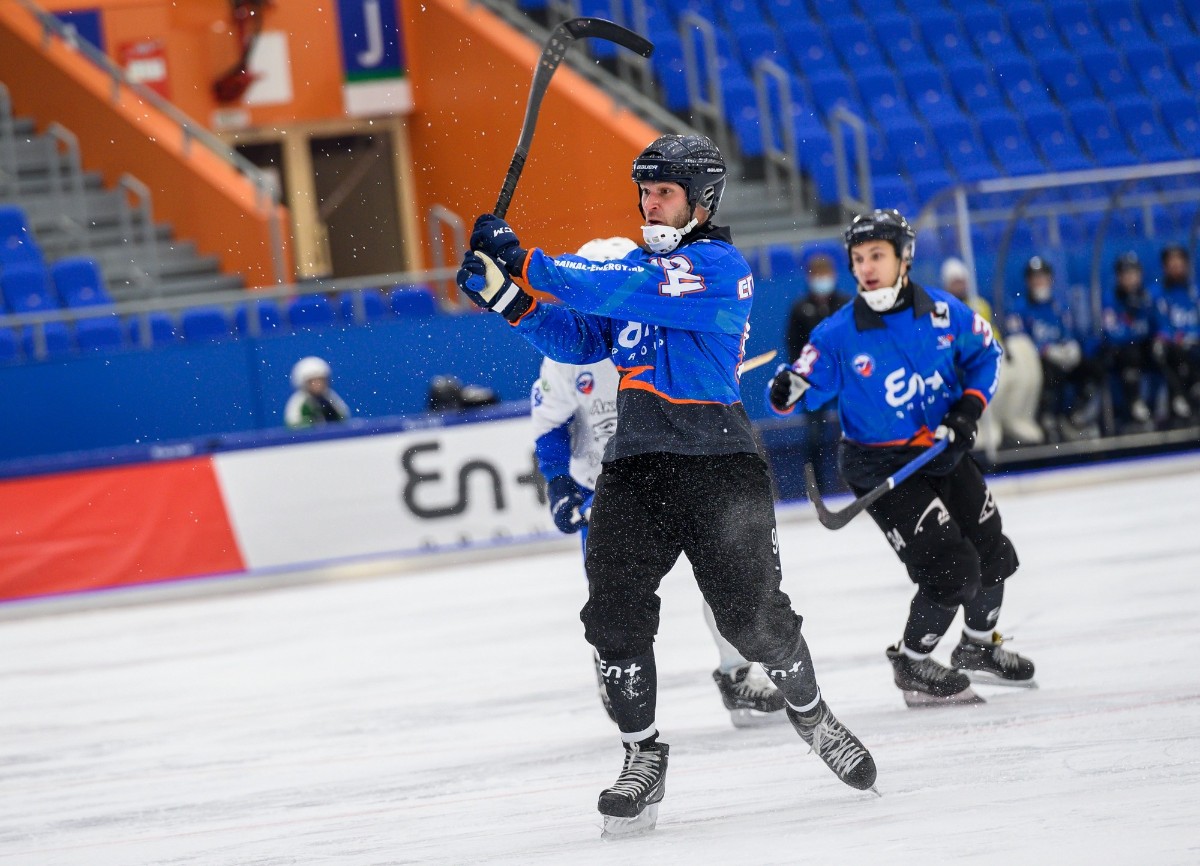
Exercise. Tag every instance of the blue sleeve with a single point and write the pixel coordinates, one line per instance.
(565, 335)
(818, 364)
(704, 289)
(977, 355)
(553, 450)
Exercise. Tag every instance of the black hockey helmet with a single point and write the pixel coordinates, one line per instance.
(1127, 261)
(1038, 265)
(692, 161)
(882, 225)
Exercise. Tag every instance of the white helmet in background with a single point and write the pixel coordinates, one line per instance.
(607, 249)
(310, 368)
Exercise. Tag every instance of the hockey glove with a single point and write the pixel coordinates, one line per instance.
(482, 280)
(961, 423)
(495, 238)
(787, 388)
(567, 500)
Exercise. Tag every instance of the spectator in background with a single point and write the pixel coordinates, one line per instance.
(1133, 341)
(1070, 379)
(313, 402)
(1010, 415)
(820, 300)
(1179, 319)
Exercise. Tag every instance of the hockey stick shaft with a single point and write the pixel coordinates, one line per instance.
(553, 52)
(756, 362)
(838, 519)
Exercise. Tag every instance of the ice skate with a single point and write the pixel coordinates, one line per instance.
(835, 745)
(751, 699)
(928, 683)
(991, 664)
(630, 806)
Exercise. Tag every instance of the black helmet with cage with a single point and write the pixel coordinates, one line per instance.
(882, 225)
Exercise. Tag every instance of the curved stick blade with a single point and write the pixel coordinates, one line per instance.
(600, 28)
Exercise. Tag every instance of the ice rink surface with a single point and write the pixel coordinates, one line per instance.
(450, 717)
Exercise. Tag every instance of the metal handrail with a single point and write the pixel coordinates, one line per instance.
(779, 163)
(440, 219)
(68, 192)
(840, 117)
(8, 143)
(147, 262)
(708, 109)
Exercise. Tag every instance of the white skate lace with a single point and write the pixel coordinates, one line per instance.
(757, 689)
(639, 773)
(1007, 659)
(835, 745)
(931, 670)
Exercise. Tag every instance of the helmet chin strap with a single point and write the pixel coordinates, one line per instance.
(882, 300)
(664, 239)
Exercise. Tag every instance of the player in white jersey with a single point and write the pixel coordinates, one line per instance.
(574, 416)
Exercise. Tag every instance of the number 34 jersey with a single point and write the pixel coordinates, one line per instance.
(895, 375)
(675, 326)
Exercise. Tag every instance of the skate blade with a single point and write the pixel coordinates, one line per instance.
(920, 700)
(623, 828)
(987, 678)
(756, 718)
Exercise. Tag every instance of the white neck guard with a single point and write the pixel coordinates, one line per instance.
(882, 300)
(664, 239)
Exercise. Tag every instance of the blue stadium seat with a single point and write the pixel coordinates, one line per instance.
(26, 288)
(827, 10)
(270, 318)
(943, 35)
(1187, 62)
(1050, 134)
(872, 9)
(204, 324)
(1032, 28)
(809, 49)
(1136, 119)
(9, 348)
(1003, 133)
(310, 311)
(929, 94)
(962, 151)
(1094, 125)
(1104, 67)
(880, 93)
(973, 86)
(58, 340)
(852, 41)
(413, 302)
(17, 246)
(894, 191)
(1182, 120)
(986, 29)
(781, 260)
(1075, 24)
(1121, 23)
(667, 63)
(1166, 22)
(920, 7)
(755, 40)
(899, 41)
(830, 89)
(1062, 74)
(785, 11)
(79, 283)
(1153, 70)
(373, 306)
(929, 182)
(733, 12)
(162, 330)
(1020, 83)
(99, 333)
(912, 148)
(747, 131)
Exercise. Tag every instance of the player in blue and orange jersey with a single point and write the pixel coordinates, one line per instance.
(682, 472)
(908, 365)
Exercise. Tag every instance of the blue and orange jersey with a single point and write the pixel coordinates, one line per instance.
(895, 375)
(675, 326)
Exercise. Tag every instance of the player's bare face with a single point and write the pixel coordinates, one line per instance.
(875, 265)
(318, 387)
(665, 204)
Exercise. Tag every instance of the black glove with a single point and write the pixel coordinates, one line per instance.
(486, 284)
(495, 238)
(566, 503)
(961, 423)
(787, 388)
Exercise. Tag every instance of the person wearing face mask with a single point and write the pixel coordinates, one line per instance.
(908, 366)
(682, 472)
(1070, 376)
(1179, 316)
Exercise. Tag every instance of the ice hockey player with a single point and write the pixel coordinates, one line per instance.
(313, 401)
(574, 415)
(908, 366)
(682, 473)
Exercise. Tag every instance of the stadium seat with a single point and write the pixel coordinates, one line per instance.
(1166, 22)
(913, 149)
(1121, 23)
(26, 288)
(9, 348)
(1032, 28)
(755, 40)
(831, 89)
(809, 50)
(962, 151)
(1108, 75)
(667, 63)
(373, 306)
(895, 192)
(1187, 62)
(1153, 70)
(929, 94)
(204, 324)
(826, 10)
(943, 35)
(58, 340)
(1020, 83)
(79, 283)
(785, 11)
(1075, 24)
(1055, 140)
(17, 246)
(413, 302)
(162, 330)
(1066, 80)
(853, 42)
(920, 7)
(1182, 120)
(880, 93)
(930, 182)
(1136, 119)
(733, 12)
(1094, 125)
(873, 9)
(986, 29)
(99, 333)
(310, 311)
(898, 40)
(973, 86)
(1003, 133)
(270, 318)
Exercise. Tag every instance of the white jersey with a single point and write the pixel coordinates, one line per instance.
(586, 396)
